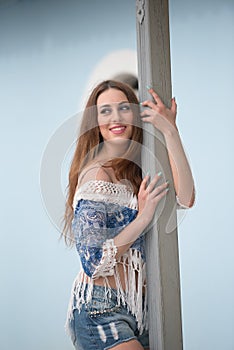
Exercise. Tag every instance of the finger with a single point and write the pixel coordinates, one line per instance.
(157, 191)
(149, 103)
(147, 112)
(162, 194)
(173, 106)
(154, 181)
(147, 119)
(156, 97)
(144, 183)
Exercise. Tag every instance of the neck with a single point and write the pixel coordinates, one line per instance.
(113, 149)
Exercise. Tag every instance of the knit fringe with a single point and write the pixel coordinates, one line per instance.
(129, 295)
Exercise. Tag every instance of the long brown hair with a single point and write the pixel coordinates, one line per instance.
(88, 143)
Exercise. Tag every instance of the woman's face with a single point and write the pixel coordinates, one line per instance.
(115, 116)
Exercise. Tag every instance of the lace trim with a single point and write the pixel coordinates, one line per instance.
(104, 191)
(131, 297)
(108, 261)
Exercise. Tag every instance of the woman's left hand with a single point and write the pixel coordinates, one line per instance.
(163, 118)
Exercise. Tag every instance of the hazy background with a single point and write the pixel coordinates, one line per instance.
(48, 51)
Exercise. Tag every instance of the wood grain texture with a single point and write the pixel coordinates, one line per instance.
(153, 45)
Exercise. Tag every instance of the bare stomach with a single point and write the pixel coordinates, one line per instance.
(101, 281)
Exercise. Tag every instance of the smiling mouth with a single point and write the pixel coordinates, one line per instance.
(118, 129)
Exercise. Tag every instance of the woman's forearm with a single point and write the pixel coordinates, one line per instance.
(164, 119)
(182, 175)
(128, 235)
(149, 196)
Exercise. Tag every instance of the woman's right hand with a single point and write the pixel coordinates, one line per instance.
(149, 196)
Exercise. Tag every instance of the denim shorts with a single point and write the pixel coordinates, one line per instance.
(101, 324)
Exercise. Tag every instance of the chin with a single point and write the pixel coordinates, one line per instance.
(119, 141)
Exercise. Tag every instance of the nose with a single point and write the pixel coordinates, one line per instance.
(116, 115)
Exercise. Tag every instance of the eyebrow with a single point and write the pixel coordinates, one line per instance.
(109, 105)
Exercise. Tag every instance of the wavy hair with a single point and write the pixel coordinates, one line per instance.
(89, 142)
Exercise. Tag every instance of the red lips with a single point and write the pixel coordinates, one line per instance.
(118, 129)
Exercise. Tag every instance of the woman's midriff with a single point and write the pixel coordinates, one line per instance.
(101, 281)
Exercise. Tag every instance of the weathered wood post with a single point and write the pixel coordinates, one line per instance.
(153, 45)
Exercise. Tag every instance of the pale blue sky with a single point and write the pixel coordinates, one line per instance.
(47, 51)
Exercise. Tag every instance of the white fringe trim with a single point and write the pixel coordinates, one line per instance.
(108, 260)
(131, 297)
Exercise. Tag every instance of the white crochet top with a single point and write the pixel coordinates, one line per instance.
(101, 210)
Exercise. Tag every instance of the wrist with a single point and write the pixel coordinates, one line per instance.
(171, 131)
(142, 221)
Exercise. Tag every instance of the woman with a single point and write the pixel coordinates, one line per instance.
(108, 209)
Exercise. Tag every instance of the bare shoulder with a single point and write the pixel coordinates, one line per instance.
(92, 172)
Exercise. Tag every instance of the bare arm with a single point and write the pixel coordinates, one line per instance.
(164, 119)
(182, 175)
(148, 198)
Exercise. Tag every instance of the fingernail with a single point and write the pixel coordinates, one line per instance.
(167, 189)
(140, 103)
(167, 182)
(148, 173)
(159, 173)
(148, 87)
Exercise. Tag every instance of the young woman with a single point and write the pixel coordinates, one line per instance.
(108, 209)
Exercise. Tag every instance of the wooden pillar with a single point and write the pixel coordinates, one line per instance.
(153, 45)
